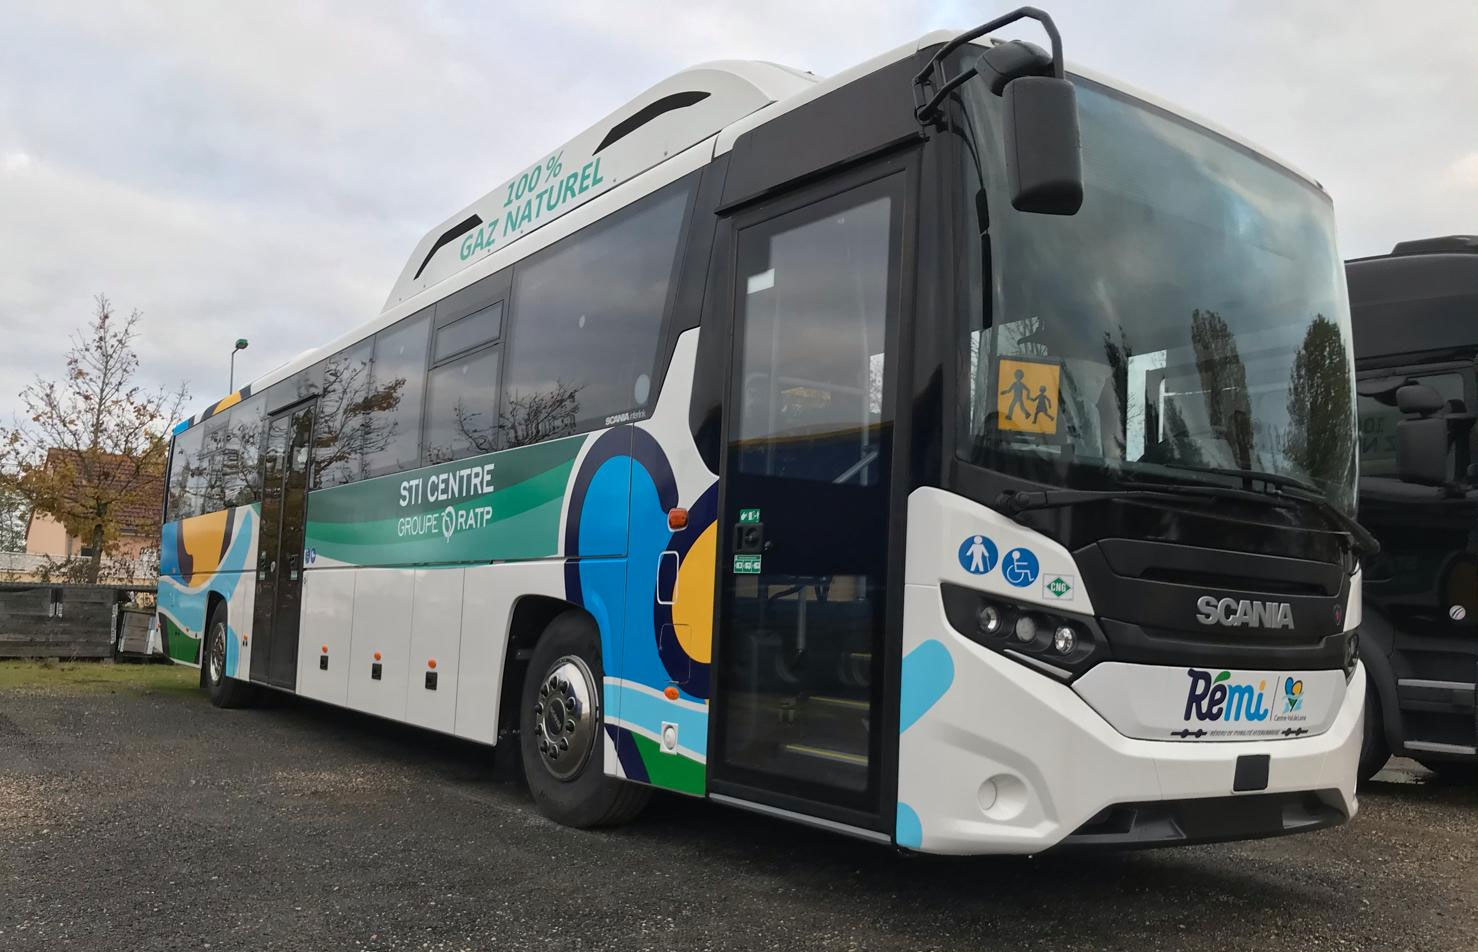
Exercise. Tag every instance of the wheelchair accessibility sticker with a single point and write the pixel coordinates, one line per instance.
(1020, 567)
(978, 554)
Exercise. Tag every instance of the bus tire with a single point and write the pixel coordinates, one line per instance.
(1374, 752)
(561, 731)
(223, 691)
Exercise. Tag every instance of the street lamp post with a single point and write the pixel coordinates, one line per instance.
(240, 345)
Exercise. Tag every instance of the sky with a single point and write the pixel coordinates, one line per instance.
(263, 170)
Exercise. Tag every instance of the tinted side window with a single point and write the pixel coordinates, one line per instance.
(586, 322)
(393, 410)
(186, 453)
(461, 407)
(468, 332)
(1379, 416)
(343, 442)
(241, 474)
(213, 458)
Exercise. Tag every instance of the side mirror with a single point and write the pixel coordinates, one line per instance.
(1044, 158)
(1421, 438)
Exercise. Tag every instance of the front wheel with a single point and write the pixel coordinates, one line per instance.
(224, 691)
(560, 731)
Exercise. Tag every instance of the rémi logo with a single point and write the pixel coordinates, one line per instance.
(1243, 613)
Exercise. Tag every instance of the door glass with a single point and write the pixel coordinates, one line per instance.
(274, 464)
(808, 499)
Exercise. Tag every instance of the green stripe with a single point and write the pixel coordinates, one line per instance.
(365, 524)
(670, 771)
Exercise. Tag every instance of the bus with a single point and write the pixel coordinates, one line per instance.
(1416, 348)
(956, 453)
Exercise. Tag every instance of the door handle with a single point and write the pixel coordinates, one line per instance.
(749, 537)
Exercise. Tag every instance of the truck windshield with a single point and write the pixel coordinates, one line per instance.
(1192, 316)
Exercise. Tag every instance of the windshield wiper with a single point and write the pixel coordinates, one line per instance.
(1013, 501)
(1291, 487)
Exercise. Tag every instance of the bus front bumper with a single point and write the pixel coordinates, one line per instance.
(1006, 759)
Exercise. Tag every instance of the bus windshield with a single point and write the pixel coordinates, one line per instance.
(1191, 317)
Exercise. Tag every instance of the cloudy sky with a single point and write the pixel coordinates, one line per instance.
(263, 169)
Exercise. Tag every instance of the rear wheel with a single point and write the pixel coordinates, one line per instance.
(224, 691)
(561, 727)
(1374, 751)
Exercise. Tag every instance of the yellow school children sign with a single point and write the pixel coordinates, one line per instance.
(1027, 395)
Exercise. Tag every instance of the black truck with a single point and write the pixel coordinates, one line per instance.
(1415, 319)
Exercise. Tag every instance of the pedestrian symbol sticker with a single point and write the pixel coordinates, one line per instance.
(1028, 394)
(1020, 567)
(749, 516)
(978, 554)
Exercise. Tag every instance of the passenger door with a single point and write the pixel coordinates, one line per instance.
(285, 460)
(805, 504)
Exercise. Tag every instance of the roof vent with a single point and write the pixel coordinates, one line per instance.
(1451, 244)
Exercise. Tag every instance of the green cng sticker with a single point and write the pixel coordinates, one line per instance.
(1059, 587)
(747, 564)
(749, 515)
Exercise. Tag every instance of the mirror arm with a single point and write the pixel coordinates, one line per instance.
(926, 76)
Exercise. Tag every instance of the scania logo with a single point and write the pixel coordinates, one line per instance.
(1243, 613)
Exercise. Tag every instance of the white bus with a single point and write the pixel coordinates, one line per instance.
(956, 453)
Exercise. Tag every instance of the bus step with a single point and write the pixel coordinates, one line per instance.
(827, 754)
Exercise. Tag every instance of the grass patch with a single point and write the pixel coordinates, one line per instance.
(96, 676)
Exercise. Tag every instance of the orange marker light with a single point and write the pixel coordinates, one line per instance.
(324, 649)
(670, 693)
(431, 664)
(377, 656)
(677, 518)
(243, 640)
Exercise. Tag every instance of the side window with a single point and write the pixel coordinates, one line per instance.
(586, 323)
(242, 477)
(186, 451)
(1379, 416)
(465, 333)
(393, 410)
(213, 461)
(461, 407)
(343, 442)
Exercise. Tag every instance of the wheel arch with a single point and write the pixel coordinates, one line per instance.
(1377, 640)
(530, 618)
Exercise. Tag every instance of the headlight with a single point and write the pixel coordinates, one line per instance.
(1062, 645)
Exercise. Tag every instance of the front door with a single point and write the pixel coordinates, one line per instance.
(803, 568)
(285, 461)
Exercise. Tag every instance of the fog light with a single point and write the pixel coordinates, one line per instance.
(1352, 654)
(1026, 629)
(1064, 640)
(989, 620)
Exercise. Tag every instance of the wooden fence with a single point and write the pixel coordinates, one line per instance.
(60, 621)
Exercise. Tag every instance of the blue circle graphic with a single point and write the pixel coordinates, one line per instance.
(1020, 567)
(978, 554)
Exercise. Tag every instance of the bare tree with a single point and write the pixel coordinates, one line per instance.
(91, 450)
(542, 415)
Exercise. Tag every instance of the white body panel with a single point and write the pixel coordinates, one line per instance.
(436, 637)
(326, 630)
(383, 606)
(995, 756)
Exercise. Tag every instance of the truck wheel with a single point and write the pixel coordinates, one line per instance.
(561, 727)
(1373, 749)
(224, 691)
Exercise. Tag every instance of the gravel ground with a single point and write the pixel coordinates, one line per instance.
(146, 819)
